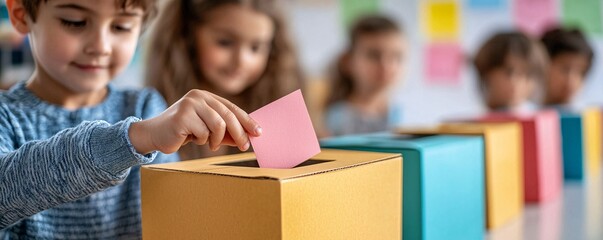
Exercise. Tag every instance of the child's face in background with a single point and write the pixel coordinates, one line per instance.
(510, 85)
(375, 63)
(233, 46)
(82, 45)
(565, 77)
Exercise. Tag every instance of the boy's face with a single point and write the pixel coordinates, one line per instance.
(510, 85)
(375, 63)
(566, 75)
(83, 44)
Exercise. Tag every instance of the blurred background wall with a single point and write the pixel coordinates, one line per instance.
(443, 35)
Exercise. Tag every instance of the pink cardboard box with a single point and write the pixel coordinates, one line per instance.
(543, 174)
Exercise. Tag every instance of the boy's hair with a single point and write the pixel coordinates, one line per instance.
(495, 51)
(31, 7)
(560, 40)
(173, 67)
(342, 84)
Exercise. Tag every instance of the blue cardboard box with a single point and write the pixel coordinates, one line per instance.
(443, 181)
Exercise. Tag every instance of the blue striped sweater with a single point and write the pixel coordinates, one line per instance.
(72, 174)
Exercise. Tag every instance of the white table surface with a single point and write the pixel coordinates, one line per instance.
(577, 214)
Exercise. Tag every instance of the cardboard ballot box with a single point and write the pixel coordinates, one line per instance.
(542, 163)
(335, 195)
(581, 141)
(503, 166)
(443, 182)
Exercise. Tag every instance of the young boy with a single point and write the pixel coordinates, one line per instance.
(571, 57)
(509, 65)
(71, 144)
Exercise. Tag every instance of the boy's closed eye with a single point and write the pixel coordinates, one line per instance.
(124, 26)
(81, 24)
(73, 23)
(72, 16)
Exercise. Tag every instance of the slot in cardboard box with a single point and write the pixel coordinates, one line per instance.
(335, 195)
(443, 182)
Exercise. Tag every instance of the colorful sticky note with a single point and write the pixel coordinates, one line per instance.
(441, 19)
(443, 63)
(288, 137)
(352, 9)
(485, 3)
(535, 16)
(585, 14)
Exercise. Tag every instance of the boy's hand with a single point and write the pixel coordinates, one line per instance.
(200, 117)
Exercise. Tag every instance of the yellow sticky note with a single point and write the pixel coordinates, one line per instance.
(440, 19)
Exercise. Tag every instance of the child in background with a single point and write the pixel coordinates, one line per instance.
(363, 77)
(71, 144)
(570, 57)
(236, 49)
(510, 65)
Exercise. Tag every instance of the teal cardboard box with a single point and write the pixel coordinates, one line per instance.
(581, 140)
(443, 181)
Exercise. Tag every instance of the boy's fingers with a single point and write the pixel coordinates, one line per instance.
(228, 141)
(250, 125)
(200, 133)
(214, 123)
(233, 126)
(187, 140)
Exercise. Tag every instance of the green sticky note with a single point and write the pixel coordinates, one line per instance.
(352, 9)
(585, 14)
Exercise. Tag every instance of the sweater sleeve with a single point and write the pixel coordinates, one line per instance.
(70, 165)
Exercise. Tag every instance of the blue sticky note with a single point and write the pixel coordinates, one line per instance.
(485, 3)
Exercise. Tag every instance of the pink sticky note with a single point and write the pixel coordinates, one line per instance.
(288, 137)
(443, 63)
(534, 16)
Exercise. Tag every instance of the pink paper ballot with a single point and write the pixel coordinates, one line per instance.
(288, 137)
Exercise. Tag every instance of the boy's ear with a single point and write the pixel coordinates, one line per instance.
(17, 15)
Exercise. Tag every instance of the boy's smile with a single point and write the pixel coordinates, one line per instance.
(92, 67)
